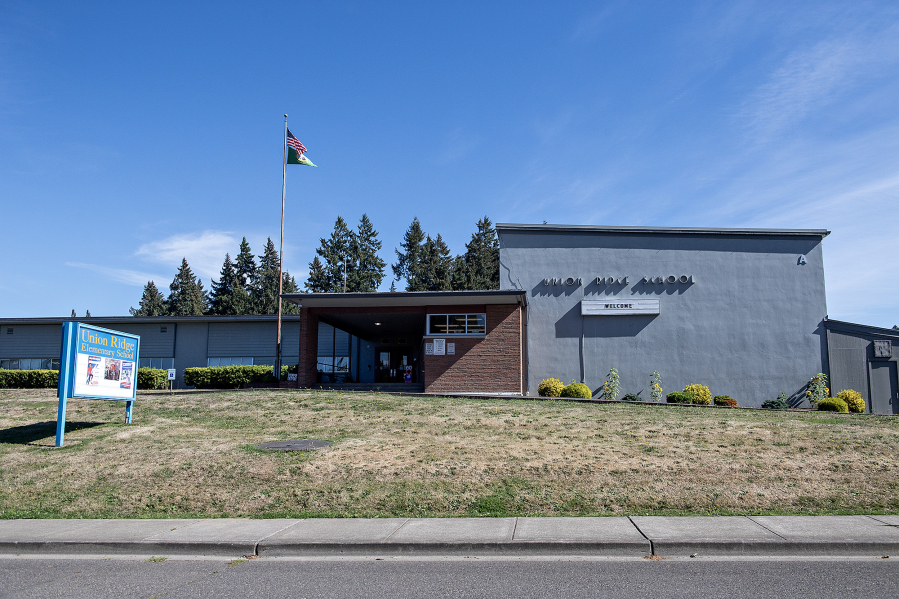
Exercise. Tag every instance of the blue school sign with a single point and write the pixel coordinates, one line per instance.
(96, 363)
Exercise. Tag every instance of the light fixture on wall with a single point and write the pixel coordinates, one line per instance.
(377, 324)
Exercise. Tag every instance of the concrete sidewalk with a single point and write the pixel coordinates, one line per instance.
(615, 536)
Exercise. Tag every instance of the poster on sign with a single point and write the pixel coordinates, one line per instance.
(104, 363)
(439, 347)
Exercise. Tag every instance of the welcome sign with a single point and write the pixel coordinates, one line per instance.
(105, 364)
(96, 363)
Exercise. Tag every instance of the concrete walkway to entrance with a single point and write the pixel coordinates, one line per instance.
(636, 536)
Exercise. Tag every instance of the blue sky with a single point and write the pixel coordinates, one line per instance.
(132, 134)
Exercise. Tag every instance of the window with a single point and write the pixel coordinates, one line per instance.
(457, 324)
(229, 361)
(161, 363)
(9, 331)
(332, 364)
(29, 364)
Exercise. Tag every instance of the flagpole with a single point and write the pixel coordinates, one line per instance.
(277, 369)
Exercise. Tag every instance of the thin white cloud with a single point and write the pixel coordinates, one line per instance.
(810, 79)
(121, 275)
(204, 251)
(458, 145)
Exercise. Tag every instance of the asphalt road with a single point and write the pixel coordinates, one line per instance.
(390, 578)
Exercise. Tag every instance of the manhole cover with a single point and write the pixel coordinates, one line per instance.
(296, 445)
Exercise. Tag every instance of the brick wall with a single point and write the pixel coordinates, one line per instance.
(306, 372)
(491, 364)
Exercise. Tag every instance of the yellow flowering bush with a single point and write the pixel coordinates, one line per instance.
(550, 388)
(575, 389)
(854, 400)
(701, 394)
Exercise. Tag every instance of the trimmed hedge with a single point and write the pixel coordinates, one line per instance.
(29, 379)
(631, 397)
(550, 388)
(679, 397)
(725, 400)
(232, 377)
(833, 404)
(574, 389)
(152, 378)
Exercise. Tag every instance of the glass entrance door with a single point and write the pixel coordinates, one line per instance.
(393, 363)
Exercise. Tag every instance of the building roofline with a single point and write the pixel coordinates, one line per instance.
(867, 328)
(148, 319)
(408, 298)
(661, 230)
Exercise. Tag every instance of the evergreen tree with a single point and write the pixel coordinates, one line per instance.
(186, 297)
(75, 316)
(409, 261)
(245, 265)
(316, 282)
(459, 278)
(437, 265)
(368, 267)
(265, 288)
(482, 258)
(87, 314)
(152, 302)
(333, 251)
(289, 285)
(221, 298)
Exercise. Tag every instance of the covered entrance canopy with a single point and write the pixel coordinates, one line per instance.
(433, 340)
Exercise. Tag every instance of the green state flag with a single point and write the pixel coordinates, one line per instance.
(294, 157)
(296, 151)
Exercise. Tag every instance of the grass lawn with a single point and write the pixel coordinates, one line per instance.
(192, 454)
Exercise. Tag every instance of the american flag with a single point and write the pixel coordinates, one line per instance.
(294, 143)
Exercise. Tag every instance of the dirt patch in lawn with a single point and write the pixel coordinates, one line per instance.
(194, 455)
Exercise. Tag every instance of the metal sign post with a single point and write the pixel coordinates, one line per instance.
(172, 373)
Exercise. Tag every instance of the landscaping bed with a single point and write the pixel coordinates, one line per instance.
(194, 455)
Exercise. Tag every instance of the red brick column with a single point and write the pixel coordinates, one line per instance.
(307, 367)
(491, 364)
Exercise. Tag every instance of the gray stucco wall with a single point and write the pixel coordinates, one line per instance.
(190, 347)
(749, 324)
(851, 353)
(30, 341)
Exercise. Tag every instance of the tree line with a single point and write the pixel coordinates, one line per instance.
(243, 287)
(346, 260)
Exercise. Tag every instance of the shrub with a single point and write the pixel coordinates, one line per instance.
(631, 397)
(29, 379)
(679, 397)
(656, 393)
(152, 378)
(701, 394)
(574, 389)
(612, 386)
(781, 403)
(725, 400)
(832, 404)
(229, 377)
(550, 388)
(853, 399)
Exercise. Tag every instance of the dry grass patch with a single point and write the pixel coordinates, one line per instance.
(193, 455)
